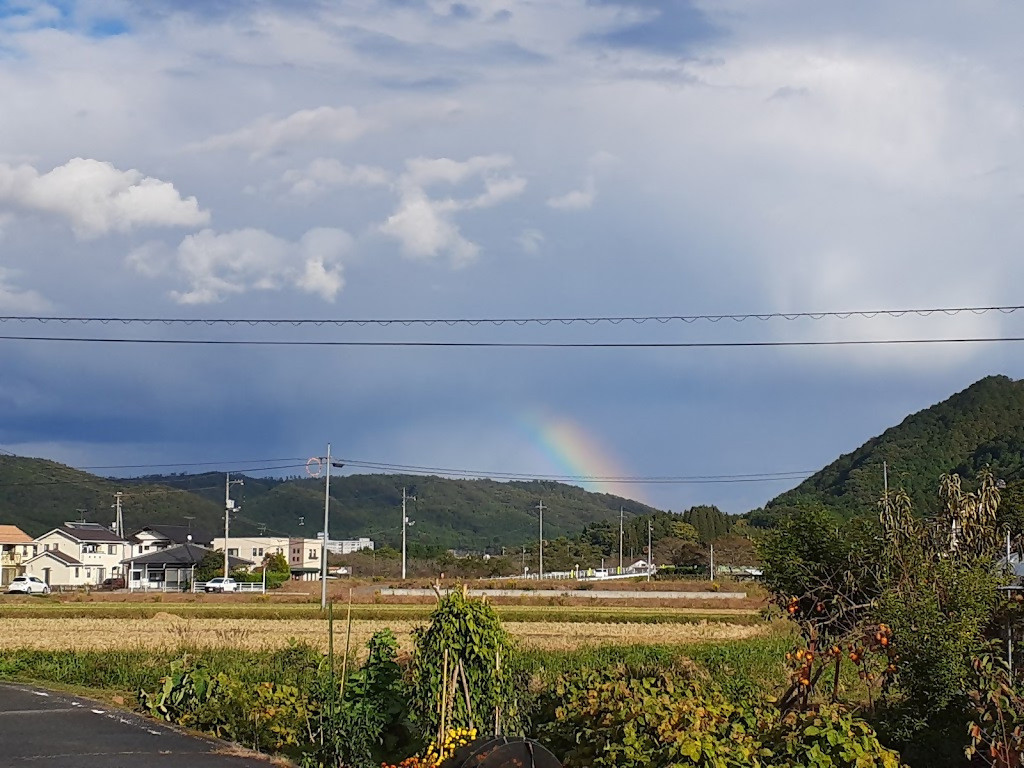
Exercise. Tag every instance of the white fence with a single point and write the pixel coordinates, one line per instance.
(240, 586)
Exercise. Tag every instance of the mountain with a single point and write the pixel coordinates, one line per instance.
(38, 495)
(450, 514)
(983, 426)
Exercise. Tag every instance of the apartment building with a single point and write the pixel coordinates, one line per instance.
(348, 546)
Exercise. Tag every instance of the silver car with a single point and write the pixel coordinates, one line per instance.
(28, 585)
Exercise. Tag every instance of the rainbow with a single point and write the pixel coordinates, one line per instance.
(576, 453)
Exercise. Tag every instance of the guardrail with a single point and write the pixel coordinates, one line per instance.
(240, 586)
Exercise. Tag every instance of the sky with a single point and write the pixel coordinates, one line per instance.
(428, 159)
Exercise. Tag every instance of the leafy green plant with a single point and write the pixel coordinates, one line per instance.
(460, 671)
(996, 730)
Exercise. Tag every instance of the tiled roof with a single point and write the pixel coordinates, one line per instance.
(90, 532)
(182, 555)
(178, 534)
(64, 557)
(12, 534)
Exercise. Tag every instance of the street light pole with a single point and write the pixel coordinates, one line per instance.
(327, 521)
(228, 506)
(540, 563)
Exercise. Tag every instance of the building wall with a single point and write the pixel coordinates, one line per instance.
(63, 575)
(103, 559)
(253, 548)
(348, 546)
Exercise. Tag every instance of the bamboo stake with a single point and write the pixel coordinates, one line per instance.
(348, 642)
(465, 691)
(497, 707)
(444, 699)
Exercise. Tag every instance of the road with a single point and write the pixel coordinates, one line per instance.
(41, 728)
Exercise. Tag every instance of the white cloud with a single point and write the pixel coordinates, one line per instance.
(13, 299)
(338, 125)
(97, 198)
(577, 199)
(217, 265)
(424, 225)
(326, 173)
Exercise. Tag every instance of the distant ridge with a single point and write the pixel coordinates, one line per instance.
(981, 426)
(479, 515)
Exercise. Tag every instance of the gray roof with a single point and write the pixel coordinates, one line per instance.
(178, 534)
(181, 555)
(64, 557)
(92, 532)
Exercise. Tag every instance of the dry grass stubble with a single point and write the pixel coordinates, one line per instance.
(169, 631)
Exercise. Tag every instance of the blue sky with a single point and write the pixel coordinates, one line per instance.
(503, 158)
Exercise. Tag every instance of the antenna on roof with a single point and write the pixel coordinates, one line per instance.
(81, 514)
(189, 519)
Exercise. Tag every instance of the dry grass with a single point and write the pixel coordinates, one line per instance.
(168, 631)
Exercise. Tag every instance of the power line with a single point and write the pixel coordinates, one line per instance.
(417, 469)
(188, 463)
(497, 321)
(523, 344)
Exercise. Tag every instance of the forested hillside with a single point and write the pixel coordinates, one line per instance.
(983, 426)
(38, 495)
(459, 514)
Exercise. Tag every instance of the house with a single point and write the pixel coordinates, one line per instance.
(60, 569)
(172, 568)
(16, 547)
(157, 537)
(304, 560)
(303, 554)
(94, 553)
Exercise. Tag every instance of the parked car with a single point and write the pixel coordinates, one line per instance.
(28, 585)
(222, 584)
(114, 582)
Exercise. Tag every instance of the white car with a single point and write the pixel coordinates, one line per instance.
(28, 585)
(222, 584)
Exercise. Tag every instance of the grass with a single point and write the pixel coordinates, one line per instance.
(745, 669)
(44, 609)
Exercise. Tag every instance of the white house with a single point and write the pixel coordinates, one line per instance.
(89, 553)
(154, 538)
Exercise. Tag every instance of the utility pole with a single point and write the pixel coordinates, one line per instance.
(885, 482)
(118, 522)
(620, 539)
(405, 523)
(327, 522)
(540, 570)
(650, 551)
(229, 505)
(712, 573)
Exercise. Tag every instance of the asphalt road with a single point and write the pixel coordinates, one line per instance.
(41, 728)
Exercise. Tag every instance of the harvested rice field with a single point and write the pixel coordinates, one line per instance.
(165, 630)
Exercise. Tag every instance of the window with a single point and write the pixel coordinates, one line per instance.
(254, 551)
(312, 554)
(112, 549)
(76, 572)
(136, 575)
(89, 548)
(88, 573)
(47, 546)
(233, 552)
(261, 550)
